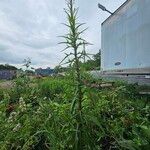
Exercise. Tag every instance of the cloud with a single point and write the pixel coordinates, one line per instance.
(3, 47)
(30, 28)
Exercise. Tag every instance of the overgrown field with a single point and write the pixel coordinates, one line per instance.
(39, 115)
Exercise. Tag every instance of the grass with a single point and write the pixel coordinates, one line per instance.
(2, 81)
(113, 117)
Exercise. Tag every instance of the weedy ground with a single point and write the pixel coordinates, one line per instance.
(39, 117)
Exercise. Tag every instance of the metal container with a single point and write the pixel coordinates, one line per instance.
(126, 39)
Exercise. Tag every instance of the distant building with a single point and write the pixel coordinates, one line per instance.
(7, 74)
(44, 72)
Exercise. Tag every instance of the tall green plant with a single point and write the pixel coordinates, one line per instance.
(74, 41)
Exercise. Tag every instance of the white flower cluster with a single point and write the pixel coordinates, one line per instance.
(38, 110)
(12, 117)
(49, 116)
(22, 105)
(45, 98)
(17, 127)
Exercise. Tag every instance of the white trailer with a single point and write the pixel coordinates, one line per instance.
(126, 39)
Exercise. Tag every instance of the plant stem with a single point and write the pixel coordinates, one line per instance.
(74, 40)
(79, 102)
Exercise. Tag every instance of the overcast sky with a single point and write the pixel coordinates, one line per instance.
(30, 28)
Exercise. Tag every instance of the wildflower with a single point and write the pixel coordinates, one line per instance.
(22, 104)
(21, 101)
(49, 116)
(38, 110)
(45, 98)
(18, 126)
(12, 117)
(29, 105)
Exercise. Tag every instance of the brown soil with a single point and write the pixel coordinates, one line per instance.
(6, 84)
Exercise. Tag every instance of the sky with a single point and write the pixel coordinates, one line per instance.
(30, 28)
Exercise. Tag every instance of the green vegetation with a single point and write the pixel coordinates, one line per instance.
(40, 117)
(7, 67)
(92, 63)
(74, 41)
(73, 112)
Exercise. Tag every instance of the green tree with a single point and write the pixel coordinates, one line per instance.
(7, 67)
(97, 59)
(93, 63)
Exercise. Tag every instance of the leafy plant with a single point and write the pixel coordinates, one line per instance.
(74, 41)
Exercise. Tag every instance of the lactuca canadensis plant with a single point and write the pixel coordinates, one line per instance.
(74, 42)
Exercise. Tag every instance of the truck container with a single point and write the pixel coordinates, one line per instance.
(126, 39)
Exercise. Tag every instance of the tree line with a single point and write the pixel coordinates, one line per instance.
(7, 67)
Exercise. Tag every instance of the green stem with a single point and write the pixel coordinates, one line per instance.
(79, 102)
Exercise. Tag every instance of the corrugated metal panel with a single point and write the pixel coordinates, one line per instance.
(125, 37)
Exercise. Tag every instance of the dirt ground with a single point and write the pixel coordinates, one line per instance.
(6, 84)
